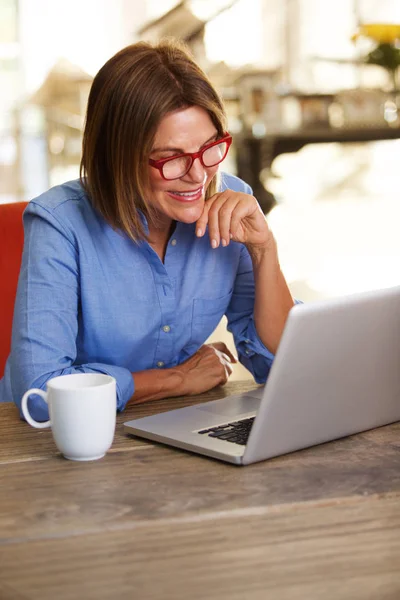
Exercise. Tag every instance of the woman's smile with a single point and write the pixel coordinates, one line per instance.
(187, 195)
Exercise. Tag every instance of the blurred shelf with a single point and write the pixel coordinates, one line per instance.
(255, 154)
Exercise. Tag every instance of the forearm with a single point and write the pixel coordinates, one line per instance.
(204, 370)
(155, 384)
(273, 299)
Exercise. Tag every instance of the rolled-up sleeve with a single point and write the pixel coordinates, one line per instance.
(253, 354)
(251, 351)
(47, 311)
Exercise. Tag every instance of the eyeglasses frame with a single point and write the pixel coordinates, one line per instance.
(158, 164)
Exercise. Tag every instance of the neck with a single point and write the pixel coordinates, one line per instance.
(159, 235)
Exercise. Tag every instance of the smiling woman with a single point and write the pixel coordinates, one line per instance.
(180, 177)
(128, 270)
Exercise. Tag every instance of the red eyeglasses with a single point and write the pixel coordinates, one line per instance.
(175, 167)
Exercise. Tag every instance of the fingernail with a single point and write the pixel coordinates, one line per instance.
(199, 232)
(223, 242)
(214, 243)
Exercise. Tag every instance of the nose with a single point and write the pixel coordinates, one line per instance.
(196, 172)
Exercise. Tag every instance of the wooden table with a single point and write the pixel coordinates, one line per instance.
(152, 522)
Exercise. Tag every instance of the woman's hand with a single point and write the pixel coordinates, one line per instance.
(209, 367)
(234, 216)
(237, 216)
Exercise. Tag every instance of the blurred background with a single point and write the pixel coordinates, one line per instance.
(311, 89)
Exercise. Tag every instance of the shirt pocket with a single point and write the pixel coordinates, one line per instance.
(207, 313)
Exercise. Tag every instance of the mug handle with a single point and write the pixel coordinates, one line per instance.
(25, 411)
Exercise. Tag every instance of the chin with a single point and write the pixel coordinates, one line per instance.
(190, 215)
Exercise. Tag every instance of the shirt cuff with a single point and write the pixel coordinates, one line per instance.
(253, 354)
(251, 344)
(123, 377)
(124, 387)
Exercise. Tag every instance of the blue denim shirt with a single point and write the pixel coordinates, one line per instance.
(91, 300)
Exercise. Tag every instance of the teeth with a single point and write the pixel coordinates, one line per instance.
(186, 193)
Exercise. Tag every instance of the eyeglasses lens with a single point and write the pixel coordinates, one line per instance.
(214, 155)
(174, 169)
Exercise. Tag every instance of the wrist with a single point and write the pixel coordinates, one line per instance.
(156, 384)
(178, 380)
(267, 250)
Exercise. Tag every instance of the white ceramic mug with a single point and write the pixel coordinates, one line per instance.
(82, 410)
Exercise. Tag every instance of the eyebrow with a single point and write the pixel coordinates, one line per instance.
(180, 150)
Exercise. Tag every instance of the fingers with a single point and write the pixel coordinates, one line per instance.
(227, 367)
(216, 356)
(225, 361)
(222, 214)
(242, 213)
(219, 364)
(202, 222)
(225, 350)
(219, 219)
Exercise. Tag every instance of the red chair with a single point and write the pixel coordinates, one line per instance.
(11, 244)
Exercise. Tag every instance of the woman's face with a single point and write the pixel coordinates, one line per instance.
(186, 130)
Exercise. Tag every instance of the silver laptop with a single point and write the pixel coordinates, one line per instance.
(336, 372)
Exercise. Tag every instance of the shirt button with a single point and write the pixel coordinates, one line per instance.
(173, 242)
(160, 363)
(247, 351)
(166, 328)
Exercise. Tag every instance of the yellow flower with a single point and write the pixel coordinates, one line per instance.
(383, 33)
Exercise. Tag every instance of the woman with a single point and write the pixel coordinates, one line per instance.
(129, 270)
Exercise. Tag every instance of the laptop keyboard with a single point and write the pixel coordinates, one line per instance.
(236, 432)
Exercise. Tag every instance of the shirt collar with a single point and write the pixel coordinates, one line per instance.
(144, 221)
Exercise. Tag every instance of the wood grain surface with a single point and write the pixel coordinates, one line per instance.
(152, 522)
(348, 550)
(155, 482)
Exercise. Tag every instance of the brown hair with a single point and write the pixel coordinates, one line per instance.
(129, 96)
